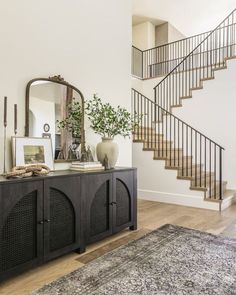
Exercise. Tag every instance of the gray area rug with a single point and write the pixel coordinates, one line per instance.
(170, 260)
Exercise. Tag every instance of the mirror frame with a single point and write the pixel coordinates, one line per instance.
(59, 80)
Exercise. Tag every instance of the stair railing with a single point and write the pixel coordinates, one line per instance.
(199, 65)
(195, 156)
(160, 60)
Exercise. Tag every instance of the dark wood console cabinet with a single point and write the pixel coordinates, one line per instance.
(45, 217)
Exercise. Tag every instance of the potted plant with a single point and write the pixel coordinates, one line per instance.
(109, 122)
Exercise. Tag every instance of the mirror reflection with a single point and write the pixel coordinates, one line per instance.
(55, 111)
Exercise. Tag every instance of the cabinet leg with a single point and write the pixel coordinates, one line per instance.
(133, 227)
(80, 250)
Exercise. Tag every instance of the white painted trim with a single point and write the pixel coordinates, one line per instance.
(184, 200)
(227, 202)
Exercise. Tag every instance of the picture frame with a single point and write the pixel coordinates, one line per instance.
(32, 150)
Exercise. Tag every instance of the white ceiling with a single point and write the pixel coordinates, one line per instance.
(189, 16)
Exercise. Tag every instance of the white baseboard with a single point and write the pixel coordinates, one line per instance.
(228, 202)
(184, 200)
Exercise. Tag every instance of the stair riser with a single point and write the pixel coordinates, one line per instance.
(188, 172)
(146, 137)
(197, 182)
(216, 194)
(156, 145)
(182, 162)
(168, 153)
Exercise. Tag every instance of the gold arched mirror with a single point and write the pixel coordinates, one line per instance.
(55, 109)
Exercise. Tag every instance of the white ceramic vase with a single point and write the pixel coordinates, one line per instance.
(109, 148)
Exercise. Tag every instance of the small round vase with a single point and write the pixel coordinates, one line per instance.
(109, 148)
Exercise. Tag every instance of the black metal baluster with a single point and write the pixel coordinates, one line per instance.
(178, 142)
(215, 190)
(196, 158)
(182, 149)
(220, 172)
(191, 152)
(158, 118)
(151, 133)
(166, 132)
(187, 147)
(205, 151)
(200, 159)
(149, 125)
(170, 150)
(210, 168)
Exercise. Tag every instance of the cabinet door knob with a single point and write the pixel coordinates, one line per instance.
(47, 220)
(40, 222)
(113, 203)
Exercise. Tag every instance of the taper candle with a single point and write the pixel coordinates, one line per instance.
(15, 118)
(5, 112)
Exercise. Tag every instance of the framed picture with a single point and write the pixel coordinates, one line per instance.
(32, 150)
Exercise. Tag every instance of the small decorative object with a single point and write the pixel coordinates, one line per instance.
(61, 155)
(109, 122)
(46, 127)
(5, 134)
(32, 150)
(72, 153)
(106, 163)
(86, 166)
(89, 155)
(28, 171)
(83, 157)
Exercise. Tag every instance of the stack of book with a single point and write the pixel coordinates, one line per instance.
(86, 166)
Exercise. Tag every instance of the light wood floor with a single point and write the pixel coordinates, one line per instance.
(151, 215)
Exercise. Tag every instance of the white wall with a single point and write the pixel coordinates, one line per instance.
(143, 35)
(167, 33)
(146, 86)
(161, 34)
(212, 111)
(174, 34)
(87, 42)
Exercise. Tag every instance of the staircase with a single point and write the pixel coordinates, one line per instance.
(194, 156)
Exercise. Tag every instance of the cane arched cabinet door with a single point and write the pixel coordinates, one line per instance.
(21, 233)
(61, 216)
(123, 192)
(97, 199)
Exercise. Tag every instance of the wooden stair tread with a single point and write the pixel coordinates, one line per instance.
(186, 97)
(219, 68)
(196, 88)
(208, 78)
(208, 186)
(199, 175)
(226, 195)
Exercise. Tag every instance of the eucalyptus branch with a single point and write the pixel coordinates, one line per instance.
(108, 121)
